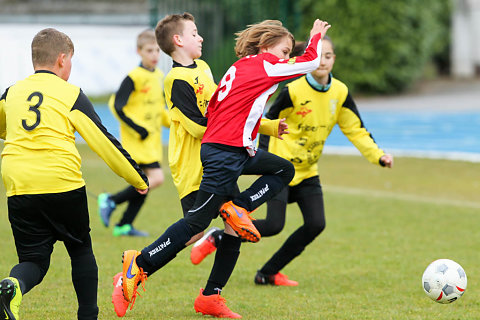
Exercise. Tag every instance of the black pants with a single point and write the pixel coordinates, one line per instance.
(309, 197)
(40, 220)
(221, 169)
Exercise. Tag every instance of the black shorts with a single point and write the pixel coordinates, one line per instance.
(39, 220)
(222, 165)
(153, 165)
(307, 187)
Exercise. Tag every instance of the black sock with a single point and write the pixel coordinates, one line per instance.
(135, 203)
(85, 282)
(124, 195)
(217, 236)
(263, 189)
(225, 260)
(164, 249)
(28, 275)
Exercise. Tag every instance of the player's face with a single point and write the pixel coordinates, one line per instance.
(191, 40)
(150, 53)
(326, 62)
(281, 49)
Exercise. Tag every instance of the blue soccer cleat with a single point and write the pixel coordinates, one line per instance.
(105, 208)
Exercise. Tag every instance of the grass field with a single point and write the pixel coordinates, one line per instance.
(383, 228)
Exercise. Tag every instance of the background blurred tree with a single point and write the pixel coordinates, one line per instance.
(383, 46)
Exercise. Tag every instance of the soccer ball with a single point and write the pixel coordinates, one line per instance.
(444, 281)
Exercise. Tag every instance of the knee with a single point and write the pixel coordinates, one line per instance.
(272, 228)
(314, 229)
(288, 172)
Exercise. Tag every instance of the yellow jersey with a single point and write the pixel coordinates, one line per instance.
(311, 115)
(139, 105)
(187, 92)
(38, 120)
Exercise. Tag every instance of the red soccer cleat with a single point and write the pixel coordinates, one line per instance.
(214, 305)
(119, 303)
(278, 279)
(203, 247)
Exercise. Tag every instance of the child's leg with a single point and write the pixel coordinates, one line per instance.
(225, 260)
(175, 238)
(276, 174)
(33, 240)
(136, 200)
(314, 223)
(276, 212)
(84, 277)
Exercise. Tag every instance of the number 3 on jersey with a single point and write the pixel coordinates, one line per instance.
(34, 109)
(226, 83)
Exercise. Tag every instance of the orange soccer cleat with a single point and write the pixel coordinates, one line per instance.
(119, 303)
(277, 279)
(239, 219)
(132, 275)
(203, 247)
(214, 305)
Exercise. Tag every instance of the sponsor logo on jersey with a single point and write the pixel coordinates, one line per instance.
(200, 89)
(333, 105)
(304, 111)
(145, 89)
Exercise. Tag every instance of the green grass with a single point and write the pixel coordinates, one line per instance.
(383, 228)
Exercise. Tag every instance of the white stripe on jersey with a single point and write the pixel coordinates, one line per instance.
(286, 69)
(255, 114)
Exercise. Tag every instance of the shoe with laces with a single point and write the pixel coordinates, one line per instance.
(278, 279)
(105, 207)
(128, 230)
(132, 275)
(10, 298)
(203, 247)
(119, 303)
(239, 219)
(214, 305)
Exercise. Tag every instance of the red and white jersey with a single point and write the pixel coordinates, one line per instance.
(236, 107)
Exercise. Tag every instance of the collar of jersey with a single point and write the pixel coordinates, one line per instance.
(317, 86)
(44, 71)
(192, 66)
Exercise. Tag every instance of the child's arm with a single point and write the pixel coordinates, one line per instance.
(121, 99)
(185, 109)
(3, 124)
(89, 126)
(286, 69)
(352, 126)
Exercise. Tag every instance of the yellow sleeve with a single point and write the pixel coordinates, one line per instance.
(269, 127)
(3, 127)
(89, 126)
(351, 125)
(193, 128)
(165, 118)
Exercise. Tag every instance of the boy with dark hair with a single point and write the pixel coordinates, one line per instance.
(140, 107)
(46, 193)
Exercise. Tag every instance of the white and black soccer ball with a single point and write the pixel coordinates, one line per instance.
(444, 281)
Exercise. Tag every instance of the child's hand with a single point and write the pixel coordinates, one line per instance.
(319, 26)
(282, 128)
(142, 192)
(387, 160)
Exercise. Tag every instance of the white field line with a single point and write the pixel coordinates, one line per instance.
(440, 155)
(401, 196)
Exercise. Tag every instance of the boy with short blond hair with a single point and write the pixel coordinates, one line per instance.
(46, 193)
(140, 108)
